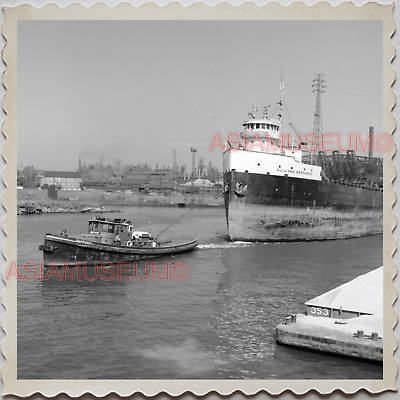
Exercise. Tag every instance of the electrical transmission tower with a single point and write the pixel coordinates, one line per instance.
(318, 85)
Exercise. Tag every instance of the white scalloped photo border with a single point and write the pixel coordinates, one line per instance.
(175, 11)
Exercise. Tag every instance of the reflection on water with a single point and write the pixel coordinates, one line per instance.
(219, 323)
(186, 358)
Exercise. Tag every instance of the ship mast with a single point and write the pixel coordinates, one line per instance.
(280, 102)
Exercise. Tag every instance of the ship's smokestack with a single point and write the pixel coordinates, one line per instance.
(80, 165)
(371, 141)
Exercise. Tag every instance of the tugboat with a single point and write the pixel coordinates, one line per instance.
(108, 241)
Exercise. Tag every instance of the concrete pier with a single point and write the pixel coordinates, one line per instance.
(346, 321)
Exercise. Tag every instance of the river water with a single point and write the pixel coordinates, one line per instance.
(218, 323)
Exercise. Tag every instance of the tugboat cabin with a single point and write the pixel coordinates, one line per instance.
(116, 232)
(102, 230)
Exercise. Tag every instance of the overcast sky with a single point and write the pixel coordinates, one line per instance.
(137, 90)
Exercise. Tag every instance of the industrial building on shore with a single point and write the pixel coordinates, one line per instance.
(139, 177)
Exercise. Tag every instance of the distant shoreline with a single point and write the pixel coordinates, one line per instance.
(36, 201)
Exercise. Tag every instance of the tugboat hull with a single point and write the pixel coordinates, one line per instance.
(67, 250)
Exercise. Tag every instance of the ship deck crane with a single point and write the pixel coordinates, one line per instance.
(291, 124)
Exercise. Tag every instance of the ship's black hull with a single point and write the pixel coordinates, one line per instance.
(281, 208)
(65, 250)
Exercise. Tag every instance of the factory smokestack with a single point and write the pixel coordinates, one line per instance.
(371, 140)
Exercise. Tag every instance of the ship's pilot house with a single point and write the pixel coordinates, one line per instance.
(261, 134)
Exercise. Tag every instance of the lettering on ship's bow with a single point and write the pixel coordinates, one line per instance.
(291, 171)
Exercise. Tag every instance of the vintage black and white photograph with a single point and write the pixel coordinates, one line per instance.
(200, 199)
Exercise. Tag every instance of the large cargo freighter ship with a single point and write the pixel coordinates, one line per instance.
(275, 192)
